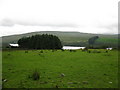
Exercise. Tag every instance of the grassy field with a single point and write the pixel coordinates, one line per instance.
(60, 69)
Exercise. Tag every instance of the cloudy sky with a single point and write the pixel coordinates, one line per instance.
(90, 16)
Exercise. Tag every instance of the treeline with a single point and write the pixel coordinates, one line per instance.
(44, 41)
(92, 40)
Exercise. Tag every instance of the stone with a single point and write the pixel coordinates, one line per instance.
(62, 74)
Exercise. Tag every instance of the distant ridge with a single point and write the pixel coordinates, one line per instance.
(59, 32)
(67, 38)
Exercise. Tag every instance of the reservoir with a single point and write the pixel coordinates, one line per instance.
(72, 47)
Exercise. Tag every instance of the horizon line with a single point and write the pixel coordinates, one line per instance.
(63, 31)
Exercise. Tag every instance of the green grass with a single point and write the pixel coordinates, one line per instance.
(81, 69)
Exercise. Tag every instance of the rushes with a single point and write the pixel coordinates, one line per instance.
(35, 75)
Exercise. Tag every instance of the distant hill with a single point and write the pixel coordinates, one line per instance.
(67, 38)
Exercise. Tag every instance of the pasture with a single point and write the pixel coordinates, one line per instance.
(60, 69)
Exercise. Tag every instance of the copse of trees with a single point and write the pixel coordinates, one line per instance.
(43, 41)
(92, 40)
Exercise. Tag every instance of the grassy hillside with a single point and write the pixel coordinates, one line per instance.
(60, 69)
(67, 38)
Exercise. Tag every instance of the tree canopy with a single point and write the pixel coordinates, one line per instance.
(43, 41)
(92, 40)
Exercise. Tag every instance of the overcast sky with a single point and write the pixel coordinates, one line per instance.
(90, 16)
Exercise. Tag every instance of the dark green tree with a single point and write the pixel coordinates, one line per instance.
(44, 41)
(92, 40)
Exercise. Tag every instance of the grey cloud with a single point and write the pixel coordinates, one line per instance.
(8, 22)
(47, 24)
(110, 28)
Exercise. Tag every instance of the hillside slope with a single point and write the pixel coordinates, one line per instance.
(67, 38)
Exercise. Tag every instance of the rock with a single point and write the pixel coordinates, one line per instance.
(4, 80)
(110, 82)
(62, 74)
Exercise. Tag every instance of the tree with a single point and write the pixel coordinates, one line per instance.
(40, 42)
(92, 40)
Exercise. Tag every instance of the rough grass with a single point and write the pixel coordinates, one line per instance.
(60, 69)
